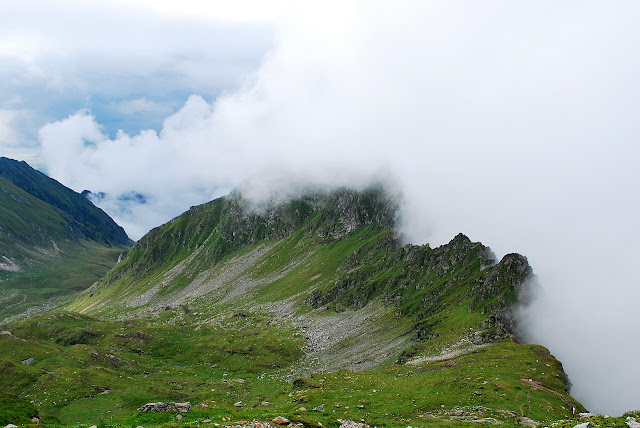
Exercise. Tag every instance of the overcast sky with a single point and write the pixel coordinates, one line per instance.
(515, 123)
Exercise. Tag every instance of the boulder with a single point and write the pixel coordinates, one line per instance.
(279, 420)
(528, 422)
(632, 423)
(583, 425)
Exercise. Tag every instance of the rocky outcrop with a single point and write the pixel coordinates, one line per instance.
(420, 280)
(165, 407)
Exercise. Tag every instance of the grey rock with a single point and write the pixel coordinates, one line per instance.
(27, 361)
(265, 403)
(319, 408)
(632, 423)
(583, 425)
(239, 404)
(11, 426)
(164, 407)
(528, 422)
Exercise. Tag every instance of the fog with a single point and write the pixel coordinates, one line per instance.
(515, 123)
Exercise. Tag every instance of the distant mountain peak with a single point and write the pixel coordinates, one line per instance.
(84, 219)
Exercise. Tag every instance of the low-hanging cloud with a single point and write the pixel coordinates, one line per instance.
(513, 122)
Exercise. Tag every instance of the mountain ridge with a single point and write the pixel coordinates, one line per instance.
(53, 241)
(311, 305)
(84, 219)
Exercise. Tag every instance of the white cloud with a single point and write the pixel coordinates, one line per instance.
(238, 10)
(8, 134)
(139, 105)
(60, 57)
(515, 123)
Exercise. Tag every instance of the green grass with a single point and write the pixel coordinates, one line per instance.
(86, 371)
(59, 241)
(57, 280)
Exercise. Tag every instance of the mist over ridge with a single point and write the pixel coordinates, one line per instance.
(508, 123)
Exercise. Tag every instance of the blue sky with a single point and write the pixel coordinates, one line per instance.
(513, 122)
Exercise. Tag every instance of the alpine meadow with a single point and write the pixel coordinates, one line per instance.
(347, 214)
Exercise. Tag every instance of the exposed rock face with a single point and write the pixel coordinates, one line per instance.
(165, 407)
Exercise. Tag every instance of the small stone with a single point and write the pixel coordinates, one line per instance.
(206, 421)
(265, 403)
(27, 361)
(93, 426)
(239, 404)
(11, 426)
(587, 415)
(302, 409)
(320, 408)
(179, 417)
(360, 406)
(583, 425)
(280, 420)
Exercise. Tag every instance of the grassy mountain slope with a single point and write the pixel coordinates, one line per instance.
(306, 304)
(53, 241)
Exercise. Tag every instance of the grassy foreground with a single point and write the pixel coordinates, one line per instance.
(90, 372)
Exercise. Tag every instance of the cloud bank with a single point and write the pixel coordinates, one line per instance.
(133, 66)
(513, 122)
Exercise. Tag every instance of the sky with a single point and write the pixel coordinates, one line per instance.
(515, 123)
